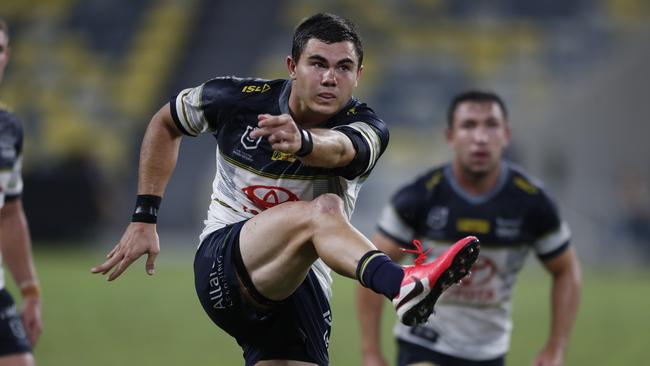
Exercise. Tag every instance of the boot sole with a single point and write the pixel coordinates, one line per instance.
(458, 269)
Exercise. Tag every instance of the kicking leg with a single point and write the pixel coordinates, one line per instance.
(280, 244)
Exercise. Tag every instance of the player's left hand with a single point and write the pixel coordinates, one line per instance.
(138, 239)
(31, 316)
(549, 357)
(281, 131)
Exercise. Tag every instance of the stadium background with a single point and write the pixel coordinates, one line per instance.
(85, 76)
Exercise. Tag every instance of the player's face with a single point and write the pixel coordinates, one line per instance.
(4, 53)
(323, 79)
(478, 135)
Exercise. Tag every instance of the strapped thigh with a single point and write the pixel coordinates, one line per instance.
(247, 282)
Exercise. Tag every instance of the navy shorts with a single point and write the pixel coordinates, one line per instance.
(13, 338)
(409, 353)
(296, 328)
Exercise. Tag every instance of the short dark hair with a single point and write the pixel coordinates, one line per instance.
(473, 96)
(328, 28)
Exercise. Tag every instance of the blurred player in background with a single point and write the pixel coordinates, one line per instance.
(480, 194)
(18, 332)
(291, 158)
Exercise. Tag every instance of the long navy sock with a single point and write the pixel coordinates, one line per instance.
(379, 273)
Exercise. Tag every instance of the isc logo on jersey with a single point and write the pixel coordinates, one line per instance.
(256, 88)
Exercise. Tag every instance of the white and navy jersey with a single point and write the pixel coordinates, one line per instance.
(11, 146)
(250, 175)
(472, 320)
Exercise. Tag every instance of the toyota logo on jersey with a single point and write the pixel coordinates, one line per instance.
(478, 288)
(482, 272)
(264, 197)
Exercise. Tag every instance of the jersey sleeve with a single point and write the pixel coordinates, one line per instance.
(202, 109)
(551, 232)
(399, 219)
(369, 136)
(11, 162)
(15, 184)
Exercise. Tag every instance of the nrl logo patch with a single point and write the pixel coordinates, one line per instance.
(437, 218)
(247, 141)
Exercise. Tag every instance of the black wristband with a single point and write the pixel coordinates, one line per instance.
(306, 143)
(146, 209)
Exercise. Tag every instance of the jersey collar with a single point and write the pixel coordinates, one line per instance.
(478, 199)
(283, 101)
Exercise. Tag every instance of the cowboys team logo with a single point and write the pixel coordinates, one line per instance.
(264, 197)
(247, 141)
(437, 218)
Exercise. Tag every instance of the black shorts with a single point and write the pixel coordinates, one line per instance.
(409, 353)
(13, 338)
(297, 328)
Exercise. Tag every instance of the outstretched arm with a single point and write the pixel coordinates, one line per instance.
(158, 156)
(565, 298)
(369, 308)
(17, 253)
(331, 148)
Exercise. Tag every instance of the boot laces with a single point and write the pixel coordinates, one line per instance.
(422, 255)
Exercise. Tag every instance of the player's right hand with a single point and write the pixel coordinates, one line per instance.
(138, 239)
(31, 316)
(281, 131)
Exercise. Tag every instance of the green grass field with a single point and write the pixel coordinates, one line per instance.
(142, 320)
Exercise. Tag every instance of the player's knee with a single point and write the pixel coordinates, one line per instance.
(327, 205)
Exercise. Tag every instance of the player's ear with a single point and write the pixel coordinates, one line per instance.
(291, 66)
(359, 72)
(8, 52)
(449, 133)
(506, 134)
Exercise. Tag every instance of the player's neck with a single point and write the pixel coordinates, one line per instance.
(304, 116)
(476, 184)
